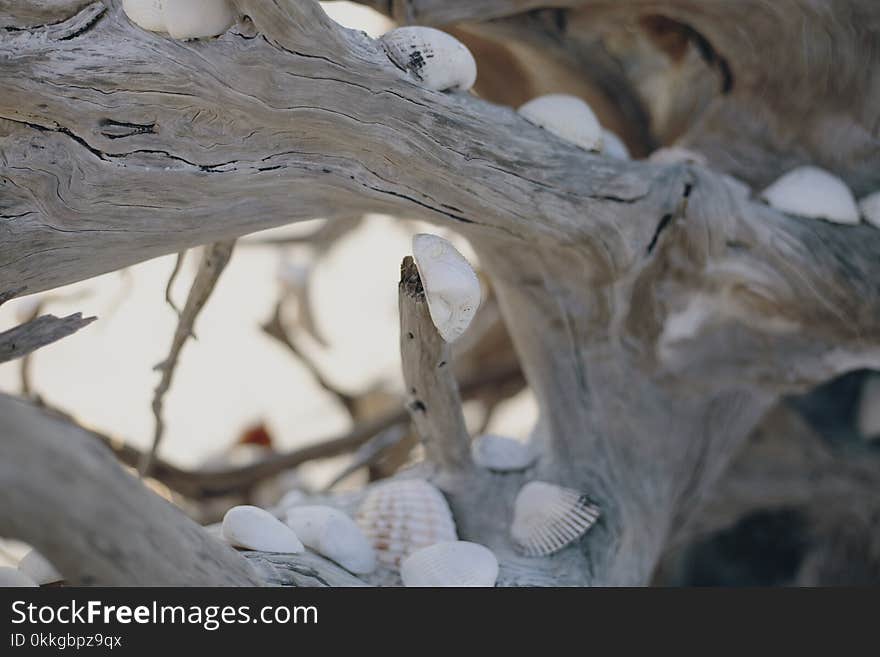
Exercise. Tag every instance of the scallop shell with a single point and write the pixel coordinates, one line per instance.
(452, 563)
(437, 59)
(813, 192)
(39, 568)
(253, 528)
(676, 155)
(613, 146)
(146, 14)
(870, 209)
(567, 117)
(330, 532)
(501, 454)
(13, 577)
(547, 517)
(400, 517)
(452, 288)
(196, 19)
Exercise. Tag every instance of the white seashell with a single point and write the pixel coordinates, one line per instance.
(13, 577)
(253, 528)
(400, 517)
(196, 19)
(39, 569)
(547, 517)
(676, 155)
(812, 192)
(613, 146)
(437, 59)
(567, 117)
(869, 408)
(501, 454)
(455, 563)
(330, 532)
(452, 288)
(870, 209)
(146, 14)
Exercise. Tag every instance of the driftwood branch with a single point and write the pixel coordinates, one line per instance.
(64, 494)
(433, 401)
(26, 338)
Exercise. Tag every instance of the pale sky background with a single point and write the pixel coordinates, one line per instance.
(233, 375)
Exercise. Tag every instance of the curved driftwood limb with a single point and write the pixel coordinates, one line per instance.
(658, 311)
(26, 338)
(64, 494)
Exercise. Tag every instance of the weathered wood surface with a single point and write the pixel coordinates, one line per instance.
(26, 338)
(658, 311)
(65, 494)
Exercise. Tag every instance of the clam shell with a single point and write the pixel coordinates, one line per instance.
(452, 288)
(13, 577)
(400, 517)
(146, 14)
(452, 563)
(567, 117)
(330, 532)
(39, 568)
(437, 59)
(196, 19)
(870, 209)
(677, 154)
(613, 146)
(253, 528)
(547, 517)
(813, 192)
(501, 454)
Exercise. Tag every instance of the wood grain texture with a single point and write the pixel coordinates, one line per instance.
(26, 338)
(65, 494)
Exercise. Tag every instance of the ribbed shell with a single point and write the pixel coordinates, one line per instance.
(501, 454)
(547, 517)
(455, 563)
(400, 517)
(13, 577)
(437, 59)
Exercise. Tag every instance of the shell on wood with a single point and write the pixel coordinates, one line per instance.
(330, 532)
(813, 192)
(437, 59)
(567, 117)
(453, 563)
(13, 577)
(146, 14)
(676, 155)
(181, 19)
(452, 288)
(39, 568)
(547, 517)
(253, 528)
(501, 454)
(400, 517)
(613, 146)
(869, 207)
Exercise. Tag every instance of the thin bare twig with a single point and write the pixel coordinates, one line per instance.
(178, 263)
(214, 260)
(28, 337)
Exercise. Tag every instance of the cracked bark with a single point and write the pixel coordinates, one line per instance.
(653, 345)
